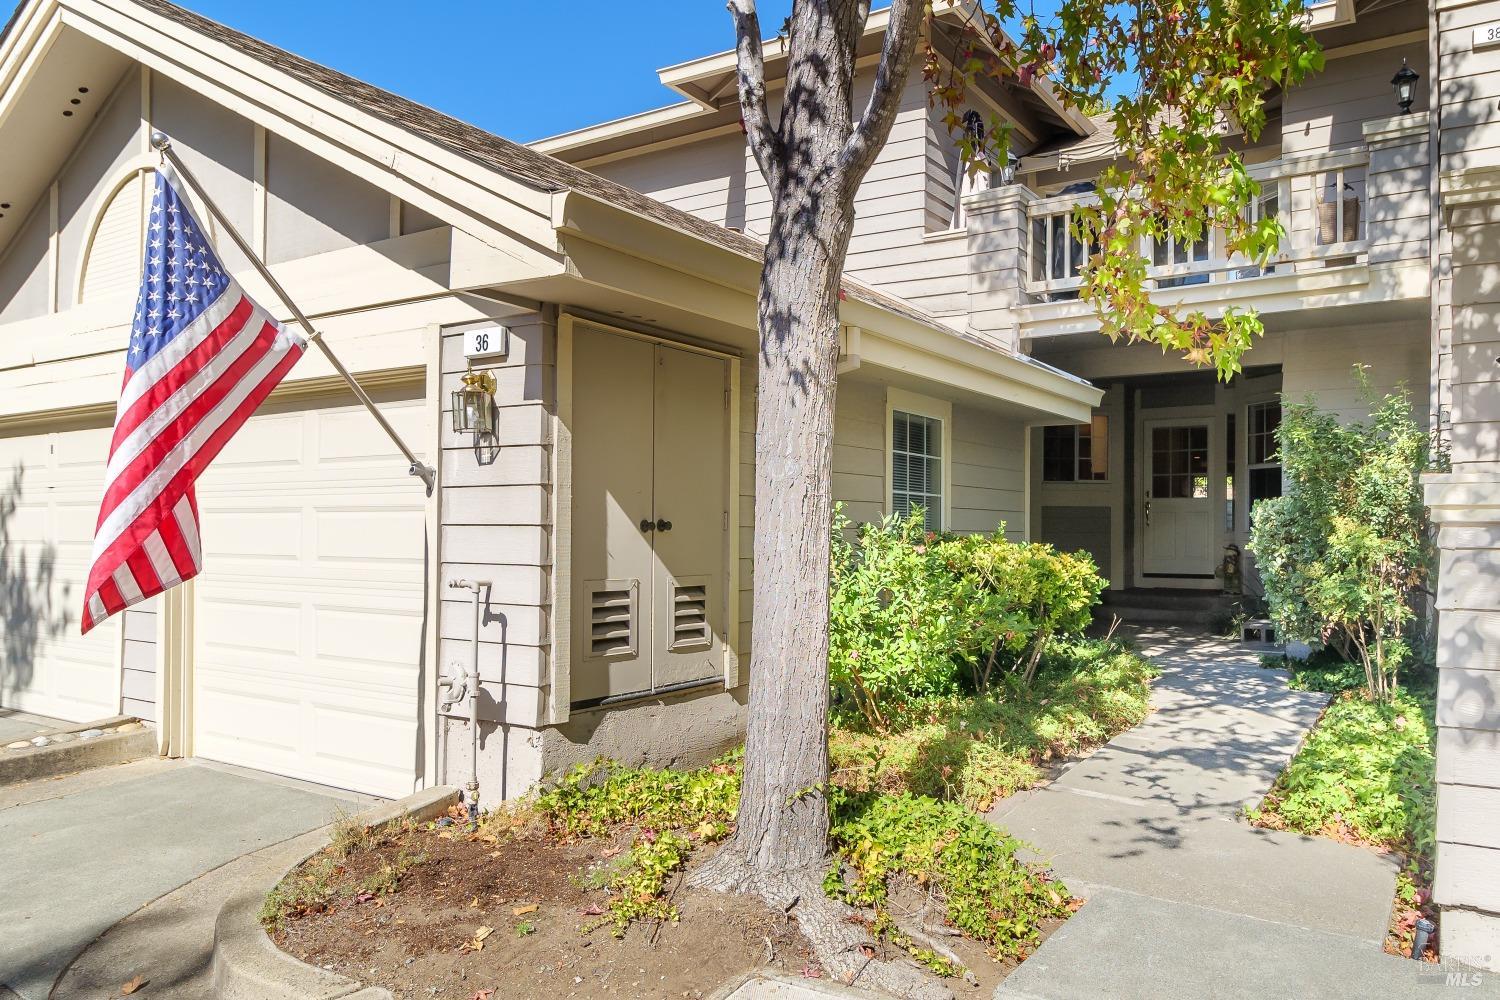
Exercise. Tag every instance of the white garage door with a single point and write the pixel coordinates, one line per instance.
(50, 485)
(308, 625)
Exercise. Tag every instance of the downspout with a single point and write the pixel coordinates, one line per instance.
(469, 687)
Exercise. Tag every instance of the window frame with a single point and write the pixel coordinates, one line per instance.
(1078, 480)
(918, 405)
(1252, 467)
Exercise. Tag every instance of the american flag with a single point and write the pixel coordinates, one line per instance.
(202, 357)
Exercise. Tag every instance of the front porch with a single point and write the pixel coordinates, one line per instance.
(1158, 485)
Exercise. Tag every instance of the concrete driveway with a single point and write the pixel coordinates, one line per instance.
(80, 853)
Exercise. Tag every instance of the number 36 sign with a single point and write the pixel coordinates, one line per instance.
(486, 342)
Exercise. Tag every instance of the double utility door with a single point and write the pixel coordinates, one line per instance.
(650, 515)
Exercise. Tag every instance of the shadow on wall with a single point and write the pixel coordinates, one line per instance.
(28, 614)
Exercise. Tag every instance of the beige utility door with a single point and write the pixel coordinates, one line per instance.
(612, 559)
(691, 517)
(1178, 505)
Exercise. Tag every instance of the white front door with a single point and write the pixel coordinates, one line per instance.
(1178, 503)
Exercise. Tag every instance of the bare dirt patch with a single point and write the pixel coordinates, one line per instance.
(510, 915)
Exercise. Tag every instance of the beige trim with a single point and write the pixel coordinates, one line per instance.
(560, 674)
(659, 146)
(433, 600)
(1375, 44)
(53, 257)
(145, 136)
(732, 594)
(174, 674)
(1396, 128)
(922, 406)
(552, 145)
(1474, 186)
(137, 165)
(258, 193)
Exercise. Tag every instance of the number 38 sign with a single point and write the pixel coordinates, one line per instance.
(486, 342)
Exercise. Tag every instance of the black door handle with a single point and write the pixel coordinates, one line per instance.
(646, 524)
(663, 525)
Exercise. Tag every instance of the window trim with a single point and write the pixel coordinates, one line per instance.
(932, 408)
(1109, 463)
(1250, 467)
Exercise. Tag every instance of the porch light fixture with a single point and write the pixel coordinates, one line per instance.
(1405, 82)
(1008, 169)
(474, 404)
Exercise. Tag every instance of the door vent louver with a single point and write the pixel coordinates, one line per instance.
(689, 614)
(613, 617)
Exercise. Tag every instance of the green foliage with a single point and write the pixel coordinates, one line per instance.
(1366, 772)
(1323, 671)
(975, 749)
(1345, 552)
(1200, 73)
(893, 624)
(637, 887)
(988, 892)
(594, 798)
(914, 615)
(1016, 597)
(525, 928)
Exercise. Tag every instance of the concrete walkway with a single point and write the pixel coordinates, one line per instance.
(16, 725)
(1186, 899)
(85, 851)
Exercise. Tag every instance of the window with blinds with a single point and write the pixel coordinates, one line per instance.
(917, 467)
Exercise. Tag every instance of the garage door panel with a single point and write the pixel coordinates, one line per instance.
(364, 635)
(310, 609)
(55, 481)
(364, 535)
(353, 435)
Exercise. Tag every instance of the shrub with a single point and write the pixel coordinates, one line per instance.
(912, 613)
(893, 623)
(1017, 597)
(1367, 771)
(1346, 551)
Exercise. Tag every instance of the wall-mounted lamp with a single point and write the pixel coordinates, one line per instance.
(1008, 169)
(1405, 82)
(474, 404)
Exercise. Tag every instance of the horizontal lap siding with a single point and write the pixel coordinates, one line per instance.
(1321, 362)
(495, 514)
(989, 479)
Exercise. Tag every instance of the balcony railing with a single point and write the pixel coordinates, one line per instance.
(1320, 201)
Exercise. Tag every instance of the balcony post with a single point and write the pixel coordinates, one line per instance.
(997, 225)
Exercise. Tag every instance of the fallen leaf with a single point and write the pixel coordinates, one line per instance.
(521, 911)
(593, 911)
(483, 994)
(483, 933)
(132, 986)
(474, 903)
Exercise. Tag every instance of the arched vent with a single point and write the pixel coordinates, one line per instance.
(113, 266)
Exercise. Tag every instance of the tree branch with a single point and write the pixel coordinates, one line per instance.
(765, 143)
(890, 78)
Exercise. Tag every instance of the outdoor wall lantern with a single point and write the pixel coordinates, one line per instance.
(1405, 82)
(474, 404)
(1008, 169)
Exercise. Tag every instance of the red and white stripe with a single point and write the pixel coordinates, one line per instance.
(176, 413)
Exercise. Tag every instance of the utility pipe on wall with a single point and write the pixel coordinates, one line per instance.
(471, 688)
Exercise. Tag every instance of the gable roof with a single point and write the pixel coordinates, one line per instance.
(518, 162)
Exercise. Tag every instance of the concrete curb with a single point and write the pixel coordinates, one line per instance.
(768, 984)
(78, 754)
(247, 965)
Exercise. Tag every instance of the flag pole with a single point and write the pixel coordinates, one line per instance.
(162, 143)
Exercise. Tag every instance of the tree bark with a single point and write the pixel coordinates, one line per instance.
(813, 159)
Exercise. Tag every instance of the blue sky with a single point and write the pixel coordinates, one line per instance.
(521, 69)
